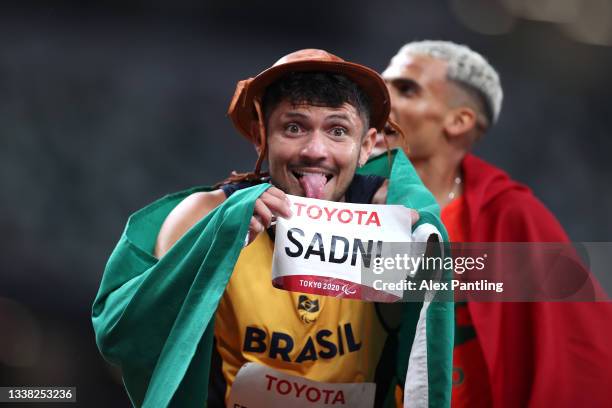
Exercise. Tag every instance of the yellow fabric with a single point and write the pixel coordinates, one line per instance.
(251, 303)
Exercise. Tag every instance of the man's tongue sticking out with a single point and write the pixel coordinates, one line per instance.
(313, 184)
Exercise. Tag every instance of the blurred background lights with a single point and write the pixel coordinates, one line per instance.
(483, 16)
(553, 11)
(586, 21)
(593, 24)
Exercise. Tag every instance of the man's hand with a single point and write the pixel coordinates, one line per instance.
(414, 216)
(380, 197)
(271, 204)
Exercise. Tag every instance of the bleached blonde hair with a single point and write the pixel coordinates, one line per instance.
(465, 66)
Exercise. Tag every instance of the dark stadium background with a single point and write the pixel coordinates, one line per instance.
(106, 106)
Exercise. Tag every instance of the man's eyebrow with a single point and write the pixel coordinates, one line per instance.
(299, 115)
(342, 116)
(397, 82)
(294, 114)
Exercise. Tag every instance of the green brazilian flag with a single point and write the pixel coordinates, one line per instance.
(155, 318)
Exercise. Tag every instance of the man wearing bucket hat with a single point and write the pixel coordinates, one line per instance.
(189, 312)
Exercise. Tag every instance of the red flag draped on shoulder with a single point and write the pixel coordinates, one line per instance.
(537, 354)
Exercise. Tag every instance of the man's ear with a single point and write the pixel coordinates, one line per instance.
(367, 144)
(460, 121)
(255, 132)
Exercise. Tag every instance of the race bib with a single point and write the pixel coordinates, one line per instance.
(258, 386)
(325, 247)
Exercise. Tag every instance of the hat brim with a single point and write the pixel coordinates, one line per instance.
(242, 112)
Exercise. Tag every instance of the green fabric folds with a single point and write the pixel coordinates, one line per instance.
(406, 188)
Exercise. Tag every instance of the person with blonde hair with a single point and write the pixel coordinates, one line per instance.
(444, 98)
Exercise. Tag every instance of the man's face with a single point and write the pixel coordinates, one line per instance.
(418, 89)
(313, 151)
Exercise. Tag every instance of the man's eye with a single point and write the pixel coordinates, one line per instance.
(407, 89)
(339, 131)
(292, 128)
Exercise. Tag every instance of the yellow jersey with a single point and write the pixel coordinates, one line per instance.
(315, 337)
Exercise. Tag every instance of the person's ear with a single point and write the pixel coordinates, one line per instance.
(367, 144)
(256, 139)
(460, 121)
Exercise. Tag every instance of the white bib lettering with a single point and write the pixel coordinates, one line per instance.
(323, 247)
(258, 386)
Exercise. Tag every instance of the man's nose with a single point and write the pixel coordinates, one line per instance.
(393, 100)
(391, 90)
(315, 147)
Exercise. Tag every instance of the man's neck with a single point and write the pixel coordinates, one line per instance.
(439, 174)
